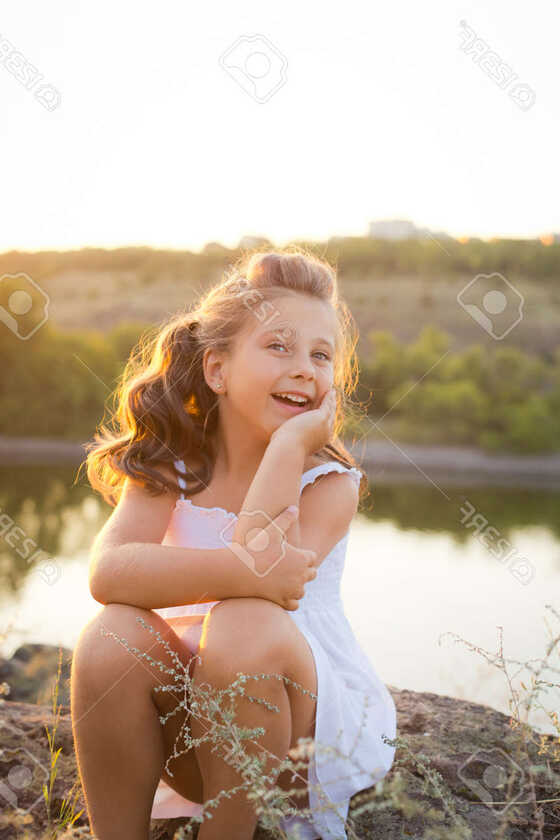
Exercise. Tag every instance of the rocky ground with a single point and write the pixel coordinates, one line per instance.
(465, 743)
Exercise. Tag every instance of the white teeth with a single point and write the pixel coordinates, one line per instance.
(294, 397)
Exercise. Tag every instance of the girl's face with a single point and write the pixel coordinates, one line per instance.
(289, 349)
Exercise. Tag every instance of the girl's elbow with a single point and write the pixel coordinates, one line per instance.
(99, 577)
(97, 590)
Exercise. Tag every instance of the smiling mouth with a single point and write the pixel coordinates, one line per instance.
(292, 403)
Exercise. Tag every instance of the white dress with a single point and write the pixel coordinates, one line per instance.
(354, 707)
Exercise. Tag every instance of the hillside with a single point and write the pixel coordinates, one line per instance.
(395, 286)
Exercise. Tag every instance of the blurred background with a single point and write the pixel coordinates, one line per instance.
(412, 146)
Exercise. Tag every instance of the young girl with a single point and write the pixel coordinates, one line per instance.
(227, 419)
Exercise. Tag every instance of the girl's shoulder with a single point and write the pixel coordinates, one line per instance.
(319, 466)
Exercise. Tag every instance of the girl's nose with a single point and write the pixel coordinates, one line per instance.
(303, 366)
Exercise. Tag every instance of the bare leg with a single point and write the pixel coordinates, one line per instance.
(252, 636)
(236, 818)
(119, 739)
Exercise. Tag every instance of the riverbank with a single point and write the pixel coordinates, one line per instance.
(449, 466)
(384, 463)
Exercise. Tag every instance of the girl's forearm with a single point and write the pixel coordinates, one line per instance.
(152, 576)
(275, 486)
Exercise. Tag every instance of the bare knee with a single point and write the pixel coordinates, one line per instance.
(119, 619)
(104, 647)
(253, 635)
(247, 631)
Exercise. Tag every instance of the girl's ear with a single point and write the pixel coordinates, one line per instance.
(213, 369)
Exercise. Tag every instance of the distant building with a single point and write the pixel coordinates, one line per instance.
(401, 229)
(393, 229)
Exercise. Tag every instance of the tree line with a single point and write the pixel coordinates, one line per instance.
(60, 383)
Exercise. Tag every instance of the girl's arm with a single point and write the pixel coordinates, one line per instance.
(325, 510)
(276, 485)
(154, 576)
(129, 565)
(277, 481)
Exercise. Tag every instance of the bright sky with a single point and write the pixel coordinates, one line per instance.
(367, 110)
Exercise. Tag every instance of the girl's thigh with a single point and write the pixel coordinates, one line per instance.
(114, 656)
(304, 709)
(304, 674)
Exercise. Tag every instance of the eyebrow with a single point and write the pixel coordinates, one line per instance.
(319, 339)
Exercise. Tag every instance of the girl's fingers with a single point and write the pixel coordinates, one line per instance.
(309, 555)
(260, 540)
(285, 518)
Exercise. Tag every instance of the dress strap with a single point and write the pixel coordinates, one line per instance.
(180, 467)
(309, 476)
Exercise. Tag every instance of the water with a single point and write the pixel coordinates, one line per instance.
(415, 571)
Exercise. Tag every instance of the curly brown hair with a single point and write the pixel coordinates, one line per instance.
(165, 409)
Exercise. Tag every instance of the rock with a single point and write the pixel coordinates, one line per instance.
(417, 720)
(31, 673)
(25, 765)
(447, 748)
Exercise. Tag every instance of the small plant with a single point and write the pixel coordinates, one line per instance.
(67, 815)
(56, 824)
